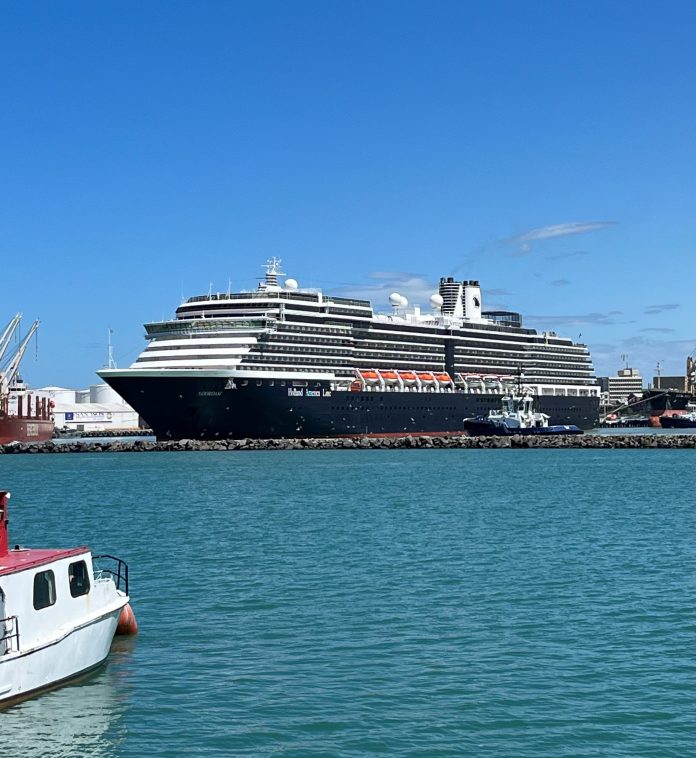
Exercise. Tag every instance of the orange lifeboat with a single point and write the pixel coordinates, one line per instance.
(443, 378)
(426, 377)
(389, 376)
(370, 376)
(407, 376)
(356, 386)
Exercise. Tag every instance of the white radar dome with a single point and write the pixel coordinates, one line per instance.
(436, 300)
(404, 301)
(395, 299)
(291, 284)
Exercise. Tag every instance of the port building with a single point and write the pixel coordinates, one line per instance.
(618, 388)
(95, 409)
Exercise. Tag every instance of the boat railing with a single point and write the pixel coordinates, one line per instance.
(112, 568)
(9, 632)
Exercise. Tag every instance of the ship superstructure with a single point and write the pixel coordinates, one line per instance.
(24, 416)
(280, 337)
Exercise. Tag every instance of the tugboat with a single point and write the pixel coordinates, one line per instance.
(680, 420)
(517, 416)
(58, 615)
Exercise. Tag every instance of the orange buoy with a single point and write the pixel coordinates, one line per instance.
(126, 621)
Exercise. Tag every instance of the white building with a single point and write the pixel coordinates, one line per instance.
(627, 381)
(98, 408)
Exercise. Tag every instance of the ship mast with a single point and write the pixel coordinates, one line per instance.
(273, 271)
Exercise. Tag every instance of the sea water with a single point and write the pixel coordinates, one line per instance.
(381, 602)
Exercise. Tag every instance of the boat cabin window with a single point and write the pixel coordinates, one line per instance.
(44, 589)
(79, 578)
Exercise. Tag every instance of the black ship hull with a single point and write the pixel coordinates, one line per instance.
(677, 422)
(659, 401)
(213, 407)
(484, 428)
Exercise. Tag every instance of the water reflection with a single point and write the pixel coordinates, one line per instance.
(80, 719)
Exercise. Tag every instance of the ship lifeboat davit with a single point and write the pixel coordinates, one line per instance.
(127, 625)
(371, 377)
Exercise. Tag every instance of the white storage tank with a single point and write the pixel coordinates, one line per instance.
(102, 393)
(57, 394)
(82, 396)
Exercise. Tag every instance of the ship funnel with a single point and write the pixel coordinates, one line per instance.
(451, 294)
(472, 301)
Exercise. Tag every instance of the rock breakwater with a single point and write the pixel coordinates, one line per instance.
(589, 441)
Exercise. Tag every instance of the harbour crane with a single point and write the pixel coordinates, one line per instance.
(8, 374)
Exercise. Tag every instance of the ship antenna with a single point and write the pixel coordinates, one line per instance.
(111, 363)
(273, 271)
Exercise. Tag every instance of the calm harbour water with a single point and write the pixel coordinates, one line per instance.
(347, 603)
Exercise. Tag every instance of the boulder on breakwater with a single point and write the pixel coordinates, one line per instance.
(591, 441)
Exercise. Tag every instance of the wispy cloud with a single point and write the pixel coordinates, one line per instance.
(560, 283)
(658, 329)
(564, 256)
(552, 231)
(415, 287)
(652, 310)
(560, 230)
(643, 353)
(601, 319)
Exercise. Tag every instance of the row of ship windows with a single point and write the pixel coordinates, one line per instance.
(198, 348)
(508, 360)
(532, 373)
(330, 336)
(45, 584)
(412, 332)
(497, 360)
(349, 372)
(397, 344)
(364, 399)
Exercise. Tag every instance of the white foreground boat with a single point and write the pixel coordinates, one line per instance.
(58, 615)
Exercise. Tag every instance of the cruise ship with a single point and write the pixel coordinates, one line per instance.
(281, 362)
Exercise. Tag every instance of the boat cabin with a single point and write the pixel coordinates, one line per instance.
(58, 614)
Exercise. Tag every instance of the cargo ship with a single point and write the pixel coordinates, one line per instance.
(280, 362)
(24, 416)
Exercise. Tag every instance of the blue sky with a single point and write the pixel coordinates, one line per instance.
(545, 149)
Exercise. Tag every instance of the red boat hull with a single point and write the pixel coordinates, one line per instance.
(23, 429)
